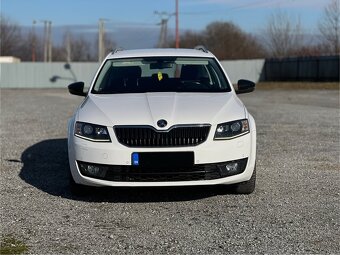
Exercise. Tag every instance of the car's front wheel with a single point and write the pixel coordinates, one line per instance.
(246, 187)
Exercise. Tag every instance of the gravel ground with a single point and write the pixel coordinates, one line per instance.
(295, 208)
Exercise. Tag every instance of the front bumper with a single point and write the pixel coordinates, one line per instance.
(209, 161)
(117, 173)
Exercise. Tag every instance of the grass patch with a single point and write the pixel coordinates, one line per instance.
(299, 85)
(10, 245)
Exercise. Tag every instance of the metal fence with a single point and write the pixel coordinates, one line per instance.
(302, 69)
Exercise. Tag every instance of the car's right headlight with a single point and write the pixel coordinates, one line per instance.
(232, 129)
(92, 132)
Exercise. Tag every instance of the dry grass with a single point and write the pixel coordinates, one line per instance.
(298, 85)
(10, 245)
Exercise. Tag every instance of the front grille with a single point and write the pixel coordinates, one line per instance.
(147, 136)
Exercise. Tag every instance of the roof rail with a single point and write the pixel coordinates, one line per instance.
(117, 49)
(202, 48)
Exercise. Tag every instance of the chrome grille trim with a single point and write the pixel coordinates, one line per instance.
(175, 136)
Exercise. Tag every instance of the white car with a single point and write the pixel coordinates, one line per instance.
(162, 117)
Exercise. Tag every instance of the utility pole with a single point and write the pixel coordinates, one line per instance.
(177, 25)
(47, 40)
(162, 42)
(68, 47)
(50, 41)
(101, 36)
(33, 41)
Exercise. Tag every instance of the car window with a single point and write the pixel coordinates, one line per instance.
(160, 74)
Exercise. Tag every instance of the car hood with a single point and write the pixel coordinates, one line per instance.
(148, 108)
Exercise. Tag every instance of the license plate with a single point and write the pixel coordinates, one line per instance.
(162, 159)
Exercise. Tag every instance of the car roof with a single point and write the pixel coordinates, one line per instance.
(160, 53)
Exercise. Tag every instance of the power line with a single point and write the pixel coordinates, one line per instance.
(244, 6)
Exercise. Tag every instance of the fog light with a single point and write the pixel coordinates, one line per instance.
(92, 170)
(231, 167)
(234, 167)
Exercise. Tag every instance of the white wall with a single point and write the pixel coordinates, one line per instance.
(38, 75)
(243, 69)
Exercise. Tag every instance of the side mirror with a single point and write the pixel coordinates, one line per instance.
(245, 86)
(77, 88)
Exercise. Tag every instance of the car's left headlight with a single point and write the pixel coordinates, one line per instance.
(92, 132)
(232, 129)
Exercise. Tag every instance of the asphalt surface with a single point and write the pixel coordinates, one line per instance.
(295, 208)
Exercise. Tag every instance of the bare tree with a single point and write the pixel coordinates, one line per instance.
(329, 27)
(283, 35)
(75, 48)
(190, 39)
(15, 43)
(109, 43)
(225, 40)
(80, 49)
(29, 45)
(10, 37)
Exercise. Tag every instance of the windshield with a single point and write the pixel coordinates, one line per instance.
(160, 74)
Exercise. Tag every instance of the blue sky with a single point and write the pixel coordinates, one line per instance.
(250, 15)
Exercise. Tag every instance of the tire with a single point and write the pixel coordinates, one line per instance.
(77, 189)
(247, 187)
